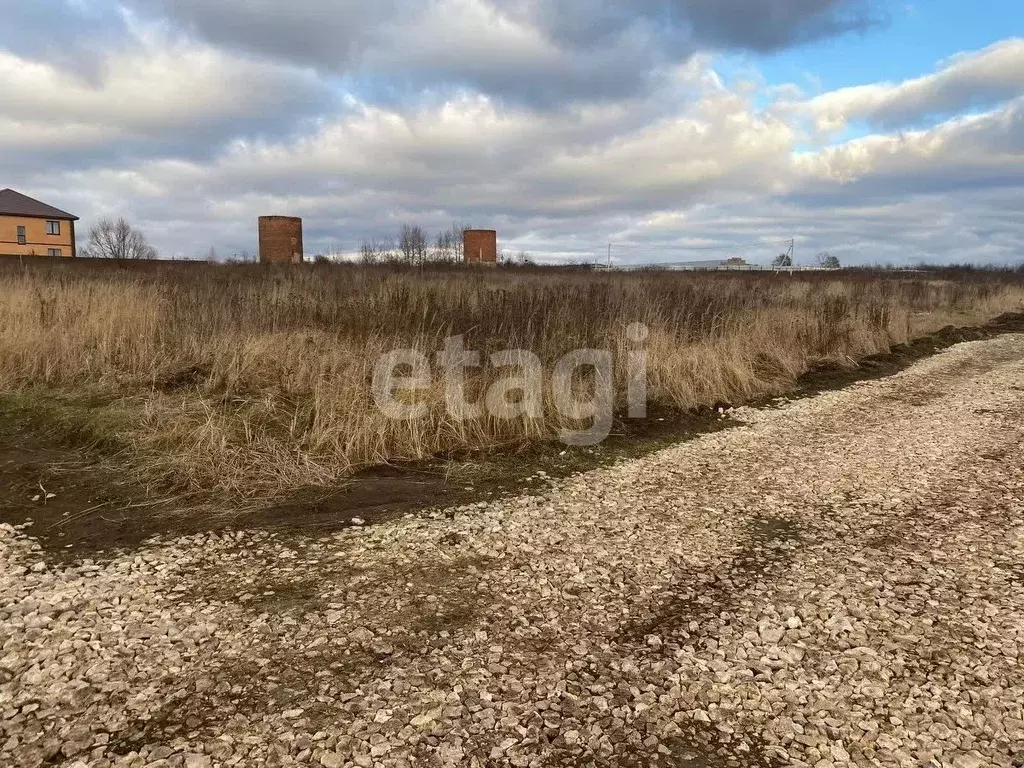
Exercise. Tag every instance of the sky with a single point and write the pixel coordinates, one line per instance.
(672, 130)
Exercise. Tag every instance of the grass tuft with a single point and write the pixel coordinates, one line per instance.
(254, 379)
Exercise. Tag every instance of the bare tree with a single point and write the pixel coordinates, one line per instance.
(413, 244)
(446, 249)
(414, 247)
(457, 231)
(376, 251)
(367, 253)
(111, 239)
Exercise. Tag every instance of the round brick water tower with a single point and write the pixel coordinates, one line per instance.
(280, 240)
(480, 246)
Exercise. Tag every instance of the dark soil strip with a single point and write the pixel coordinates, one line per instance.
(902, 356)
(99, 508)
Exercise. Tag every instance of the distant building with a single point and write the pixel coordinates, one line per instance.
(480, 246)
(734, 263)
(31, 228)
(280, 240)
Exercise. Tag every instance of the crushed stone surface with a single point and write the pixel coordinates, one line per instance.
(839, 581)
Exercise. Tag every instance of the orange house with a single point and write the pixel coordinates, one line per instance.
(31, 228)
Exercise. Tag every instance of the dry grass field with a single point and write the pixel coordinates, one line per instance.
(255, 380)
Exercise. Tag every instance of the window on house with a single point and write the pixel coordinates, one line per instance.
(55, 252)
(53, 227)
(22, 238)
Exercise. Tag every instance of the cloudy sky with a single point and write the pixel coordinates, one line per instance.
(674, 129)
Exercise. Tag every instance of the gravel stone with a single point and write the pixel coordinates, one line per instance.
(836, 581)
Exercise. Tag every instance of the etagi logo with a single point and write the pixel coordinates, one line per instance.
(580, 387)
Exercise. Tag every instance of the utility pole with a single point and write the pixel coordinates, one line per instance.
(609, 256)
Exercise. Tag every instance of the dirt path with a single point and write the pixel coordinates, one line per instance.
(837, 582)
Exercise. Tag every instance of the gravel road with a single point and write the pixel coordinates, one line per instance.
(837, 581)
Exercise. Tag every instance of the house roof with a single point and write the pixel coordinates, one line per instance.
(16, 204)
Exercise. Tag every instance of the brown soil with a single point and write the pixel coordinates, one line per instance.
(904, 355)
(98, 507)
(71, 502)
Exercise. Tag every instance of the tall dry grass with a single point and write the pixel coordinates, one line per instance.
(255, 379)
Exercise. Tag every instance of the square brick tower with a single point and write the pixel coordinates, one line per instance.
(280, 240)
(480, 246)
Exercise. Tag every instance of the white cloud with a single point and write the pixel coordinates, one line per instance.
(153, 88)
(502, 113)
(968, 81)
(986, 149)
(713, 169)
(529, 51)
(472, 153)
